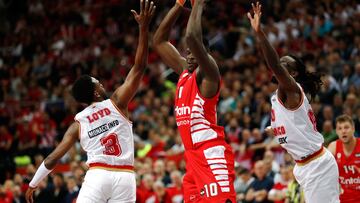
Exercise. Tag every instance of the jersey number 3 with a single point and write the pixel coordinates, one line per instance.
(111, 144)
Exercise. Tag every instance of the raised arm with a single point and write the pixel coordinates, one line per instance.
(168, 53)
(287, 84)
(124, 94)
(70, 137)
(209, 71)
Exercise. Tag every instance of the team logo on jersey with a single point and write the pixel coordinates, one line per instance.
(338, 155)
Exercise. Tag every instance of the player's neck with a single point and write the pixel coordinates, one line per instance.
(350, 146)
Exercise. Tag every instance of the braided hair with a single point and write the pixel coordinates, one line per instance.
(310, 82)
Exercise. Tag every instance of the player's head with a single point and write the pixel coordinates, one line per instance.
(345, 128)
(190, 58)
(310, 82)
(87, 89)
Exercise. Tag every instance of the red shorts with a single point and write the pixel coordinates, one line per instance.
(209, 174)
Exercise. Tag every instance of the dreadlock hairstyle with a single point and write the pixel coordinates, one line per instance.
(310, 82)
(83, 90)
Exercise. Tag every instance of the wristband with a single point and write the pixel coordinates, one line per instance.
(40, 174)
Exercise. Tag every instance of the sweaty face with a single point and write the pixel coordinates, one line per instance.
(191, 61)
(290, 64)
(345, 131)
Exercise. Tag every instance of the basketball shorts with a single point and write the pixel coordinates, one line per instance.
(102, 186)
(209, 174)
(319, 179)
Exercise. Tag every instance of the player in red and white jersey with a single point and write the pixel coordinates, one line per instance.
(104, 131)
(347, 154)
(294, 123)
(209, 159)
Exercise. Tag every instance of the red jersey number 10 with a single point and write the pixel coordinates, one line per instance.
(111, 144)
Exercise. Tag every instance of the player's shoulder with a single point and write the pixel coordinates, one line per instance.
(332, 147)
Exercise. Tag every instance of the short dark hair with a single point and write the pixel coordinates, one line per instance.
(83, 89)
(344, 118)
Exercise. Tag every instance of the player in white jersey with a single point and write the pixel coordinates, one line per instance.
(294, 124)
(104, 131)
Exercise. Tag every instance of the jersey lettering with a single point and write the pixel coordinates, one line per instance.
(97, 115)
(182, 110)
(279, 131)
(111, 144)
(282, 140)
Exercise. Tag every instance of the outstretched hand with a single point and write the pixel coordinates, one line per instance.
(29, 195)
(255, 20)
(147, 11)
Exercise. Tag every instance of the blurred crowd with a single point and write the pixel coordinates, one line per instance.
(46, 44)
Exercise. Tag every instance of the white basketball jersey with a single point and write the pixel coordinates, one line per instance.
(295, 129)
(106, 135)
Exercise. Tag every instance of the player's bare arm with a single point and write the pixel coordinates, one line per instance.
(70, 138)
(332, 147)
(289, 92)
(168, 53)
(125, 93)
(209, 72)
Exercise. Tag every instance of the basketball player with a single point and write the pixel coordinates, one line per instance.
(104, 131)
(209, 160)
(347, 154)
(293, 121)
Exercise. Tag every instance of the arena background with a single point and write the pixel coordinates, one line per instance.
(46, 44)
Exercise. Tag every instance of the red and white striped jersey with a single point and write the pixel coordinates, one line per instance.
(195, 115)
(106, 135)
(295, 129)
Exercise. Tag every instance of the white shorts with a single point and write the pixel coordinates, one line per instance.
(319, 179)
(102, 186)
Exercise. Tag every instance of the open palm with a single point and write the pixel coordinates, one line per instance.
(255, 20)
(147, 10)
